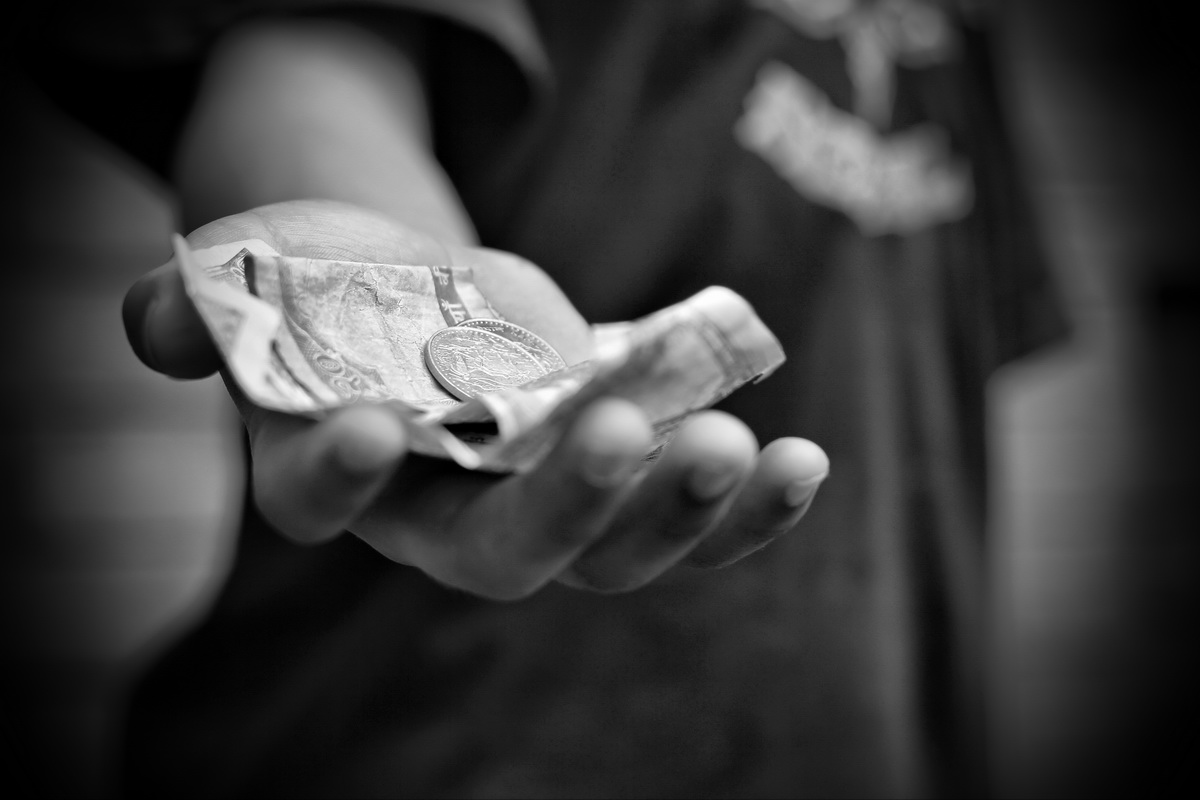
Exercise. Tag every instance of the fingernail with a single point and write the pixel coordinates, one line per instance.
(710, 481)
(605, 468)
(799, 492)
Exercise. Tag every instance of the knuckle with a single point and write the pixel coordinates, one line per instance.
(563, 518)
(597, 579)
(492, 581)
(754, 538)
(298, 517)
(566, 534)
(718, 559)
(506, 589)
(688, 519)
(680, 529)
(726, 553)
(282, 518)
(735, 545)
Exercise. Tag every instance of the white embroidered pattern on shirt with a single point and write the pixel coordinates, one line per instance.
(894, 183)
(876, 35)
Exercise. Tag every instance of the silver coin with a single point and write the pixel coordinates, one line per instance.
(468, 362)
(538, 347)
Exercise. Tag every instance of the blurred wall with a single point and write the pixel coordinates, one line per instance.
(1095, 551)
(120, 482)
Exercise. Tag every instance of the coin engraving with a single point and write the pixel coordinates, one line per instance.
(468, 361)
(538, 347)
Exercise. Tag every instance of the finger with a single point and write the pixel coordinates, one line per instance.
(674, 507)
(313, 479)
(527, 529)
(778, 494)
(164, 329)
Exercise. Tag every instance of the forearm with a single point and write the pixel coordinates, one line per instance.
(315, 109)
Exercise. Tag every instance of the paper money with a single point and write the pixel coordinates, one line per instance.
(307, 336)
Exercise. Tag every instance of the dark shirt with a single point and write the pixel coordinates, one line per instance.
(639, 151)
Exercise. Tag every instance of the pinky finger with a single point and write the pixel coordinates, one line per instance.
(777, 495)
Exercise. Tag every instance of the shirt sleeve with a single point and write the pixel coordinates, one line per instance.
(129, 69)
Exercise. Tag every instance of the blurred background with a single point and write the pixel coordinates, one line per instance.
(121, 484)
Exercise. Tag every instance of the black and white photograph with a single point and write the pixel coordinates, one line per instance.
(600, 399)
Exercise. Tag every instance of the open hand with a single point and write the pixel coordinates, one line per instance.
(591, 515)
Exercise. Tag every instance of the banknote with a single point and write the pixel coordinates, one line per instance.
(307, 336)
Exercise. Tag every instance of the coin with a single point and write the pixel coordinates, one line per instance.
(468, 361)
(538, 347)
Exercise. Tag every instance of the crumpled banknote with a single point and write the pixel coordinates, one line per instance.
(308, 336)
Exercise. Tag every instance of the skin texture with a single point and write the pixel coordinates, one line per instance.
(591, 515)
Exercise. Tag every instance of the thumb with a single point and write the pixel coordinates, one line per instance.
(164, 329)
